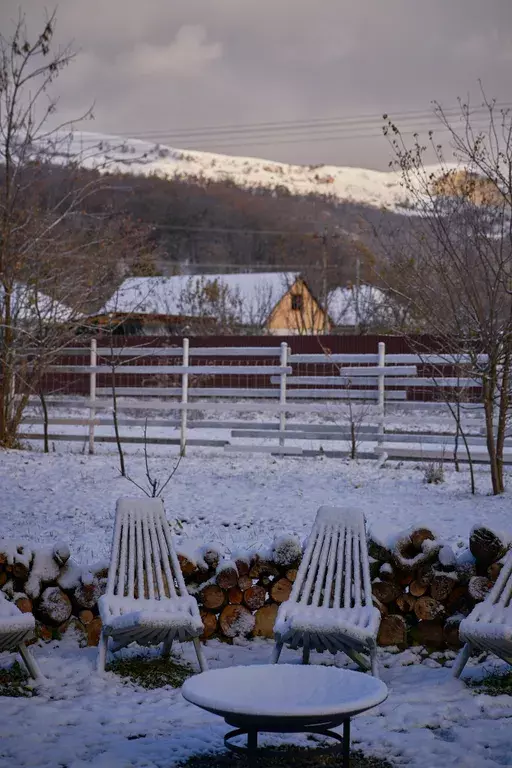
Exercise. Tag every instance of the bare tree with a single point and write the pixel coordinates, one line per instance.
(55, 257)
(455, 262)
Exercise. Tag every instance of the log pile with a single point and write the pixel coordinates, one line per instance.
(241, 597)
(61, 594)
(424, 589)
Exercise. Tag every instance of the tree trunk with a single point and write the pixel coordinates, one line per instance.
(489, 391)
(46, 446)
(504, 403)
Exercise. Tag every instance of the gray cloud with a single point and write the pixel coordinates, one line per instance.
(163, 66)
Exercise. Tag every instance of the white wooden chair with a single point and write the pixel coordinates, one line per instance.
(330, 606)
(15, 629)
(489, 625)
(146, 600)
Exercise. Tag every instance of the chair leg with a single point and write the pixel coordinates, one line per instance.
(30, 663)
(203, 664)
(374, 662)
(358, 658)
(305, 651)
(166, 650)
(102, 653)
(278, 647)
(462, 660)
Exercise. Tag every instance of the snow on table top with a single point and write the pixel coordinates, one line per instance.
(284, 690)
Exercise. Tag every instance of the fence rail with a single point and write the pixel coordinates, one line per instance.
(266, 379)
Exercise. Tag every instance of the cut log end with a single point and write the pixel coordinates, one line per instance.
(265, 619)
(213, 597)
(280, 590)
(210, 624)
(255, 597)
(236, 621)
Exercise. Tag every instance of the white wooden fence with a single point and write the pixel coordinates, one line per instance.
(379, 380)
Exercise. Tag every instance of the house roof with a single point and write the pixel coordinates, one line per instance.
(30, 304)
(343, 304)
(253, 295)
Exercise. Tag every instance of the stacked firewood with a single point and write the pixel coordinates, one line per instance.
(47, 582)
(241, 596)
(424, 589)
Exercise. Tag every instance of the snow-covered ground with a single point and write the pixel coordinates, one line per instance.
(80, 720)
(83, 721)
(230, 499)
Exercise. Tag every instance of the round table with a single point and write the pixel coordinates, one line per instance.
(285, 698)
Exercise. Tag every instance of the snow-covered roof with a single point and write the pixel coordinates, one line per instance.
(251, 296)
(350, 305)
(32, 305)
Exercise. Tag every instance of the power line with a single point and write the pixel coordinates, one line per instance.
(309, 139)
(347, 122)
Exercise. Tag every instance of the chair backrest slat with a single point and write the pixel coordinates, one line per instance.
(131, 558)
(356, 559)
(173, 558)
(166, 560)
(121, 573)
(501, 593)
(113, 568)
(322, 567)
(329, 579)
(347, 592)
(158, 557)
(306, 592)
(365, 568)
(148, 561)
(340, 565)
(304, 566)
(141, 582)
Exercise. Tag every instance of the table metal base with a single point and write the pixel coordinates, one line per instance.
(252, 753)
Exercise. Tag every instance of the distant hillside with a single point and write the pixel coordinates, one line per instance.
(356, 185)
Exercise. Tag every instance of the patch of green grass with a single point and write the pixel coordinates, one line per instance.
(152, 673)
(495, 684)
(289, 757)
(14, 681)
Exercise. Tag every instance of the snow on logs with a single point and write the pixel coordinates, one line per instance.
(422, 587)
(240, 597)
(47, 582)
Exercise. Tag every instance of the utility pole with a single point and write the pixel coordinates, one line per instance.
(325, 264)
(358, 286)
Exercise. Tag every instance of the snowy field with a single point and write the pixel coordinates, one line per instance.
(231, 500)
(430, 720)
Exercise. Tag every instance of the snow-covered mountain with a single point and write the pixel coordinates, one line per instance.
(113, 153)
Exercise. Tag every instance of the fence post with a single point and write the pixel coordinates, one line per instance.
(184, 398)
(92, 393)
(382, 390)
(282, 390)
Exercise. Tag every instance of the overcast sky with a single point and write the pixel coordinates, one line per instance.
(161, 67)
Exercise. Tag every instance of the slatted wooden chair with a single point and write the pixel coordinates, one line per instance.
(330, 607)
(489, 625)
(146, 600)
(15, 629)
